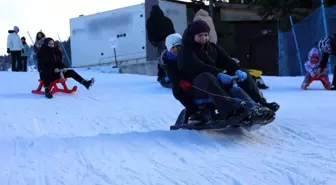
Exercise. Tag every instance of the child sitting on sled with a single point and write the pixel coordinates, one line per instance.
(313, 73)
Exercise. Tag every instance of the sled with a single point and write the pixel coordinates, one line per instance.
(216, 122)
(54, 88)
(324, 82)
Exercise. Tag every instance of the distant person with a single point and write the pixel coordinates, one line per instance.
(158, 28)
(312, 66)
(327, 46)
(204, 16)
(25, 54)
(39, 40)
(15, 47)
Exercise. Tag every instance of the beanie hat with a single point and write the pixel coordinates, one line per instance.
(199, 27)
(172, 40)
(16, 28)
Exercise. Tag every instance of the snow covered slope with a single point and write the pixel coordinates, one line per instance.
(118, 133)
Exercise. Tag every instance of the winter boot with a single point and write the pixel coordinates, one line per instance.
(48, 93)
(88, 83)
(258, 114)
(273, 105)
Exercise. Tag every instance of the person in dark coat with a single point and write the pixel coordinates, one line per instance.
(327, 46)
(210, 68)
(181, 86)
(50, 67)
(158, 28)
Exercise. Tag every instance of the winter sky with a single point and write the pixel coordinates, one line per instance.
(52, 16)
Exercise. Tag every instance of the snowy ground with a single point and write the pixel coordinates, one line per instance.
(118, 133)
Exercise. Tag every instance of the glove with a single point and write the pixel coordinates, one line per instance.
(8, 50)
(312, 74)
(185, 85)
(241, 75)
(224, 78)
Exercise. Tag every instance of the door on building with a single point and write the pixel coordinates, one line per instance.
(263, 54)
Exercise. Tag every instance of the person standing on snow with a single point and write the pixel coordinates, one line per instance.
(39, 40)
(25, 54)
(15, 47)
(204, 16)
(158, 28)
(327, 46)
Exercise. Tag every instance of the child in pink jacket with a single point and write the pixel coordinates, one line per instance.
(313, 73)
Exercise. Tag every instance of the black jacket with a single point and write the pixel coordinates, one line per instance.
(158, 25)
(209, 58)
(173, 73)
(49, 59)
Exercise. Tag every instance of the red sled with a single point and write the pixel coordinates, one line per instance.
(54, 88)
(324, 82)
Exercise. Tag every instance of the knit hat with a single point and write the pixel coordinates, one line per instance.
(16, 28)
(199, 27)
(172, 40)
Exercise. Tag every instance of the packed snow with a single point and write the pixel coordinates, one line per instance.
(118, 133)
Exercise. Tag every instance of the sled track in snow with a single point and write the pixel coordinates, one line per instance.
(212, 156)
(86, 138)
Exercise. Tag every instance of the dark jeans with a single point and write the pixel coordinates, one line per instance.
(24, 63)
(49, 77)
(221, 97)
(16, 61)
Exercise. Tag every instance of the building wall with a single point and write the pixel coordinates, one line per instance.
(91, 34)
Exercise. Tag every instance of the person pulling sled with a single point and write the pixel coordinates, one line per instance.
(327, 46)
(313, 73)
(203, 64)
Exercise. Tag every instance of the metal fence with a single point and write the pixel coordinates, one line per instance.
(295, 44)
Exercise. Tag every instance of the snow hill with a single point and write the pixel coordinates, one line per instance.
(118, 133)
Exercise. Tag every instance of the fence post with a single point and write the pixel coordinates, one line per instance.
(326, 34)
(296, 45)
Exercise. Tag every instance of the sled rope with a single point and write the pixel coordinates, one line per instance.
(221, 96)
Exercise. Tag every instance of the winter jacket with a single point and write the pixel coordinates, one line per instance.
(48, 59)
(173, 73)
(177, 78)
(158, 25)
(204, 16)
(14, 41)
(196, 59)
(25, 50)
(311, 66)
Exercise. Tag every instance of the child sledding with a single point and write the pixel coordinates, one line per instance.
(313, 71)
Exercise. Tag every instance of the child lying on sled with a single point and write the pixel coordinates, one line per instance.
(313, 73)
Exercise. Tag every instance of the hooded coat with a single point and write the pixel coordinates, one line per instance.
(158, 25)
(210, 58)
(204, 16)
(14, 41)
(48, 61)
